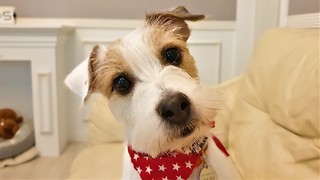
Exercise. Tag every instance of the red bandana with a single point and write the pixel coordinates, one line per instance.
(164, 167)
(172, 165)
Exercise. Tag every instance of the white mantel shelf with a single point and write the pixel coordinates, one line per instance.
(56, 23)
(43, 46)
(32, 35)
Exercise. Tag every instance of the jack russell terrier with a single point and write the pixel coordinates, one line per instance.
(152, 85)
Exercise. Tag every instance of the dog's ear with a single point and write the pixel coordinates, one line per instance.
(96, 58)
(174, 20)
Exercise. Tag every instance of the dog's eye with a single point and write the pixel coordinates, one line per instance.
(173, 56)
(122, 84)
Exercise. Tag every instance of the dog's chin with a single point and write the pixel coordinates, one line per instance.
(170, 139)
(185, 132)
(185, 136)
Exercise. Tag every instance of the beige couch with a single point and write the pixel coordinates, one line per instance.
(270, 123)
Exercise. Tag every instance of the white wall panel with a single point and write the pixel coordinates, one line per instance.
(208, 57)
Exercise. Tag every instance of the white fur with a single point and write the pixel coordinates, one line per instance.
(146, 131)
(77, 80)
(138, 54)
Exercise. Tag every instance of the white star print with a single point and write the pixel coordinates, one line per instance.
(136, 156)
(162, 168)
(188, 151)
(179, 178)
(139, 169)
(146, 157)
(176, 166)
(165, 178)
(174, 155)
(148, 170)
(189, 165)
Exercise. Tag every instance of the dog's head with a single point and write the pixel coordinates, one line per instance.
(152, 84)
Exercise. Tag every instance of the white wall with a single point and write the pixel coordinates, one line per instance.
(303, 6)
(123, 9)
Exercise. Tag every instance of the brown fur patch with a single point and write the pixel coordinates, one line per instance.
(174, 20)
(102, 72)
(161, 39)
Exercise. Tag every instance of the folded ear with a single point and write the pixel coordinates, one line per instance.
(95, 60)
(77, 80)
(183, 13)
(82, 78)
(174, 20)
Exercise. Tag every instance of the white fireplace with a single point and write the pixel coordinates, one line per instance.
(32, 62)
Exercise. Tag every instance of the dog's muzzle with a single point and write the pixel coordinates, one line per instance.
(175, 109)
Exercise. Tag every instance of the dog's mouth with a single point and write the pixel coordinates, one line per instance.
(187, 131)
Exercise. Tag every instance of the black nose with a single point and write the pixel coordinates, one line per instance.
(174, 108)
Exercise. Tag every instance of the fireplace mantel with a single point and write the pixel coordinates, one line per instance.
(43, 46)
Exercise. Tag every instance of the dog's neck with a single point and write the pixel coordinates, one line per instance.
(153, 146)
(198, 145)
(171, 164)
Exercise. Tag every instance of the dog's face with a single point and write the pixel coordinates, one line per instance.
(151, 82)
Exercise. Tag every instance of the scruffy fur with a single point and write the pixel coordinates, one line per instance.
(139, 56)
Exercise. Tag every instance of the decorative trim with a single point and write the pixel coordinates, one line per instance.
(39, 44)
(311, 20)
(213, 25)
(12, 36)
(96, 41)
(283, 12)
(218, 56)
(110, 23)
(45, 102)
(196, 42)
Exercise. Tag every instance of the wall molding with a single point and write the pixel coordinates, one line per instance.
(216, 60)
(45, 102)
(50, 23)
(311, 20)
(283, 12)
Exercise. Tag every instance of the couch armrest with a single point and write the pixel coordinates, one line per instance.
(228, 90)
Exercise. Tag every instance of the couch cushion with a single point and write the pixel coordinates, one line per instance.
(274, 132)
(103, 127)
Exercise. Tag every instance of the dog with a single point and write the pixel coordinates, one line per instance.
(151, 82)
